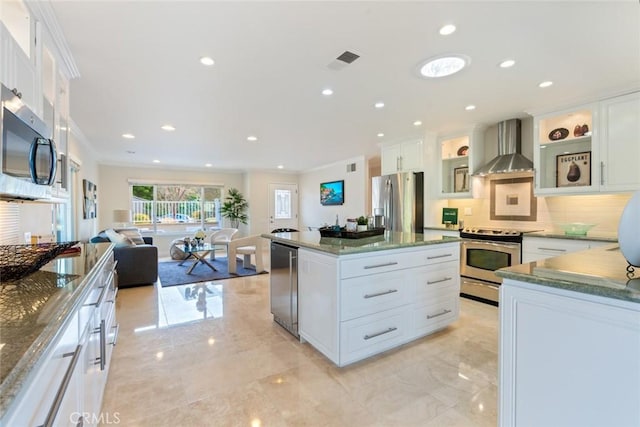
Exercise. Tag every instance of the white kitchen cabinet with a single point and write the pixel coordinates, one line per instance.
(355, 306)
(402, 157)
(537, 248)
(19, 68)
(567, 358)
(620, 141)
(603, 159)
(459, 155)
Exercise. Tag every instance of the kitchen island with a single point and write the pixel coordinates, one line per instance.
(360, 297)
(570, 341)
(50, 347)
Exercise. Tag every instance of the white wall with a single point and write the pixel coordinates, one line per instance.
(257, 193)
(312, 213)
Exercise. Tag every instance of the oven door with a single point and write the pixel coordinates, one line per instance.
(480, 259)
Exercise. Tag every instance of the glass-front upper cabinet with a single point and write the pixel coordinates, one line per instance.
(459, 156)
(566, 151)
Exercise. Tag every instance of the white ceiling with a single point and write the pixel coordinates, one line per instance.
(139, 66)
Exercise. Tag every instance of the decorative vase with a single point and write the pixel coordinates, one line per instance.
(362, 227)
(629, 231)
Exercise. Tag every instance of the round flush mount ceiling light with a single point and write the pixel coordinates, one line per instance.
(447, 29)
(128, 136)
(327, 92)
(443, 66)
(205, 60)
(545, 84)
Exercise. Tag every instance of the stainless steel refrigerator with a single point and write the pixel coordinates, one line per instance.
(284, 286)
(399, 198)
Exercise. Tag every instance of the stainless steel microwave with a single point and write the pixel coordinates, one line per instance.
(28, 155)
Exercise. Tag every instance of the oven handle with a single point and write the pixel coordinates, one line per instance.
(494, 244)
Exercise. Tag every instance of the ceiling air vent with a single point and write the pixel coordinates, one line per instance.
(351, 167)
(343, 60)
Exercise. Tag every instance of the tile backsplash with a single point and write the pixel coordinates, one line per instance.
(603, 210)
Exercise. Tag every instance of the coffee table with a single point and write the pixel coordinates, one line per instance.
(200, 253)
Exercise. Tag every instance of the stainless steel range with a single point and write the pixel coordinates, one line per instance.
(483, 251)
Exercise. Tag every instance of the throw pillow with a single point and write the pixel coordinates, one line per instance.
(134, 235)
(119, 239)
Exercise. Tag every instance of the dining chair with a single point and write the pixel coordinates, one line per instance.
(246, 246)
(222, 237)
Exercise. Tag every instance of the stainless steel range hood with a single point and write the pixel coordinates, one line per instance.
(509, 158)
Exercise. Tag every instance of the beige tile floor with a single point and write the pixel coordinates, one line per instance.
(219, 360)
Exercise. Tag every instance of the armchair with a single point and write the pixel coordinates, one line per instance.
(222, 237)
(245, 246)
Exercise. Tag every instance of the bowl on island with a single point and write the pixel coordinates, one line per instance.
(576, 228)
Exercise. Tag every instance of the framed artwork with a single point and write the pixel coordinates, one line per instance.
(573, 170)
(512, 200)
(461, 180)
(332, 193)
(90, 192)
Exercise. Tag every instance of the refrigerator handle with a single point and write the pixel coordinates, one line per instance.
(291, 258)
(389, 205)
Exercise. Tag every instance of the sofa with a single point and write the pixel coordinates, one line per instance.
(136, 256)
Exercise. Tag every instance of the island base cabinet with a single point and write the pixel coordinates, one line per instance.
(370, 335)
(436, 315)
(567, 358)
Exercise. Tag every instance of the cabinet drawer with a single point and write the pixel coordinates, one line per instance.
(553, 247)
(429, 317)
(366, 336)
(361, 296)
(430, 281)
(399, 260)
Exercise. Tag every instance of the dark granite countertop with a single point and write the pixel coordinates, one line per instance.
(601, 271)
(33, 311)
(338, 246)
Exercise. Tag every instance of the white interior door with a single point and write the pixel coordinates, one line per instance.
(283, 206)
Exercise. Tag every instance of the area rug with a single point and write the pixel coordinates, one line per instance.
(172, 274)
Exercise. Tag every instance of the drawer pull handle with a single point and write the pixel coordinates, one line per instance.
(57, 401)
(390, 291)
(439, 256)
(377, 334)
(386, 264)
(553, 249)
(438, 281)
(115, 294)
(431, 316)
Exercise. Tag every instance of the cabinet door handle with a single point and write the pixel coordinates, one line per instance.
(439, 256)
(397, 163)
(601, 173)
(431, 316)
(386, 264)
(57, 401)
(553, 249)
(390, 291)
(377, 334)
(115, 335)
(432, 282)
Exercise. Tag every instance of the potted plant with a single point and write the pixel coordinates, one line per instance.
(234, 208)
(362, 223)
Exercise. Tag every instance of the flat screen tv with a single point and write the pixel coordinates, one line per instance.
(332, 193)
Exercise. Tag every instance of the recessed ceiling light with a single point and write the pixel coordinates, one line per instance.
(444, 65)
(380, 135)
(379, 104)
(168, 128)
(507, 63)
(447, 29)
(470, 107)
(128, 135)
(417, 123)
(205, 60)
(252, 138)
(280, 166)
(545, 84)
(208, 165)
(131, 152)
(156, 161)
(327, 92)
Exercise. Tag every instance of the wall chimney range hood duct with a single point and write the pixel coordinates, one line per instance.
(509, 158)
